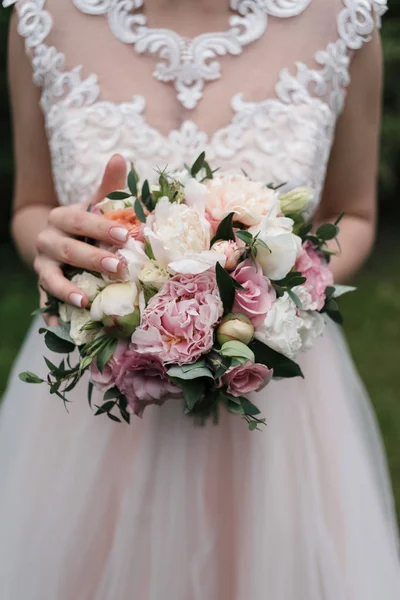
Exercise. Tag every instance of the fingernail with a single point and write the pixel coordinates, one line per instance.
(120, 234)
(110, 264)
(76, 299)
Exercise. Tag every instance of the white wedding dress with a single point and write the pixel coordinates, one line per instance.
(93, 510)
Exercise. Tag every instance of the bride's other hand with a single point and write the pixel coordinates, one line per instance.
(56, 244)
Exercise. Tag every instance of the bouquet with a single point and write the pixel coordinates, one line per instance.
(223, 284)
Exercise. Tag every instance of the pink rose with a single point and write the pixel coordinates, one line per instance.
(257, 297)
(178, 323)
(246, 378)
(143, 380)
(313, 265)
(106, 380)
(231, 250)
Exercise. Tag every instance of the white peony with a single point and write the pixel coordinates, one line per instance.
(89, 284)
(195, 194)
(153, 275)
(312, 327)
(283, 247)
(305, 297)
(180, 237)
(281, 328)
(249, 200)
(117, 299)
(133, 258)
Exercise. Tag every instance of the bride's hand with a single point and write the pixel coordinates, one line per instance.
(56, 244)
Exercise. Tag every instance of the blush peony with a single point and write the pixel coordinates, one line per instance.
(107, 378)
(143, 380)
(312, 265)
(178, 323)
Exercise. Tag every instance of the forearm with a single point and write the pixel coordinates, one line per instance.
(356, 240)
(27, 223)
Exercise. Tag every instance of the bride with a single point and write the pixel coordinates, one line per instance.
(290, 91)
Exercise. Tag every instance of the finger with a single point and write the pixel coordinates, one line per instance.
(50, 320)
(66, 250)
(114, 178)
(84, 224)
(52, 280)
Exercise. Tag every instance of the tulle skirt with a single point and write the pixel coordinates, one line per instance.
(161, 509)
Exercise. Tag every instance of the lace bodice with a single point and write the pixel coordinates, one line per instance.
(270, 111)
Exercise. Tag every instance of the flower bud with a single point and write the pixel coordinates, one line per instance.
(235, 326)
(116, 300)
(295, 200)
(231, 251)
(153, 275)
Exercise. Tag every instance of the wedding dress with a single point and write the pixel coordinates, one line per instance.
(94, 510)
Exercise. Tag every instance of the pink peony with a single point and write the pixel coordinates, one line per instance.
(231, 251)
(143, 380)
(246, 378)
(312, 265)
(106, 380)
(178, 323)
(258, 296)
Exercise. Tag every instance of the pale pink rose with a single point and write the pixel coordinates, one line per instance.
(143, 380)
(249, 200)
(106, 380)
(231, 251)
(257, 297)
(313, 265)
(243, 379)
(178, 323)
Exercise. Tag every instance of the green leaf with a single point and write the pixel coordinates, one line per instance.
(118, 196)
(283, 367)
(57, 344)
(90, 393)
(198, 164)
(245, 236)
(253, 425)
(225, 230)
(106, 407)
(249, 407)
(148, 250)
(105, 353)
(327, 232)
(53, 368)
(139, 211)
(113, 418)
(85, 362)
(236, 349)
(236, 409)
(132, 182)
(294, 297)
(195, 373)
(340, 290)
(304, 231)
(193, 390)
(28, 377)
(340, 217)
(222, 365)
(112, 393)
(226, 288)
(60, 331)
(146, 195)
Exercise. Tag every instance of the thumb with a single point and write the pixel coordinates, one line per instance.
(114, 178)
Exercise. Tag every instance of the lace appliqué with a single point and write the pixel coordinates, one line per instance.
(190, 63)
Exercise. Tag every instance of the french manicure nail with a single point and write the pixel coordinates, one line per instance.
(76, 299)
(110, 264)
(120, 234)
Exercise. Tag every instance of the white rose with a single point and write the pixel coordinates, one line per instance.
(280, 330)
(78, 318)
(153, 275)
(180, 238)
(89, 284)
(283, 247)
(312, 327)
(117, 299)
(249, 200)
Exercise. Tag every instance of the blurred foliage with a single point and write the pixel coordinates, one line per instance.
(390, 163)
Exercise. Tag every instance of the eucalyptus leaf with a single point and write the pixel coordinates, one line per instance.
(195, 373)
(327, 232)
(225, 230)
(57, 344)
(294, 297)
(236, 349)
(340, 290)
(253, 425)
(139, 211)
(118, 196)
(59, 331)
(28, 377)
(226, 288)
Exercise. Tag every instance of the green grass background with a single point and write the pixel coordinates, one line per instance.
(372, 325)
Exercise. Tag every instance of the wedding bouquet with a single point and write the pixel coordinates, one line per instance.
(223, 284)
